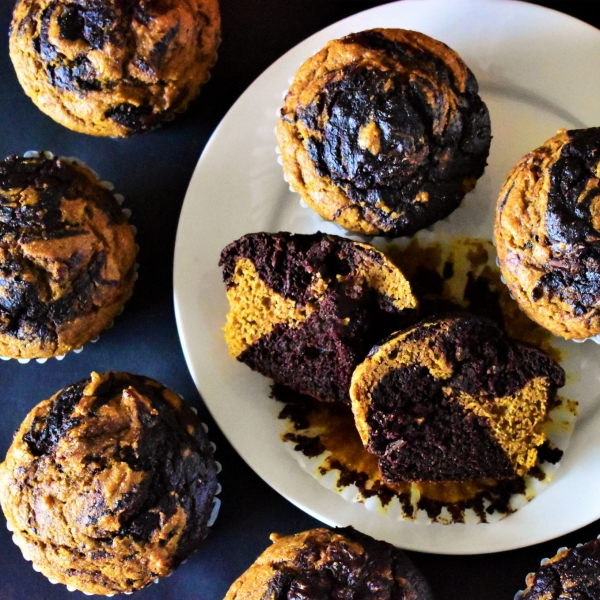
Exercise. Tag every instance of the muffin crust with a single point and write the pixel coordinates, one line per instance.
(384, 132)
(67, 257)
(322, 565)
(547, 233)
(113, 68)
(570, 575)
(109, 484)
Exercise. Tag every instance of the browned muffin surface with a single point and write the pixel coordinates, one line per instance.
(320, 564)
(113, 68)
(573, 574)
(384, 132)
(67, 257)
(547, 233)
(109, 484)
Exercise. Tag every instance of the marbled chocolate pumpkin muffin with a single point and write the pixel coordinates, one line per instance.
(384, 132)
(306, 309)
(109, 484)
(547, 233)
(573, 574)
(67, 256)
(452, 400)
(113, 67)
(320, 564)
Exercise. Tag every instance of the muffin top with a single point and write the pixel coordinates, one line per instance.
(67, 256)
(547, 232)
(453, 399)
(113, 67)
(109, 484)
(571, 574)
(325, 565)
(384, 132)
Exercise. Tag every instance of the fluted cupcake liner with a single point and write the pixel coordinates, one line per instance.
(126, 211)
(213, 517)
(558, 428)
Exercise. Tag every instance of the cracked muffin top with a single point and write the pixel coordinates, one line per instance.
(113, 67)
(547, 233)
(384, 132)
(320, 564)
(109, 484)
(67, 257)
(573, 574)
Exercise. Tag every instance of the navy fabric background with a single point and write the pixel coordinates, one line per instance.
(152, 171)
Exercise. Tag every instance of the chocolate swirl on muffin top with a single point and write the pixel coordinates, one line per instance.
(113, 67)
(571, 574)
(548, 233)
(67, 256)
(109, 484)
(394, 121)
(325, 565)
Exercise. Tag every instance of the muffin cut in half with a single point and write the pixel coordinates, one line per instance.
(67, 256)
(109, 484)
(306, 309)
(452, 400)
(325, 565)
(547, 233)
(384, 132)
(113, 68)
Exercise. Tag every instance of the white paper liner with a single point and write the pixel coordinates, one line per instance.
(211, 521)
(126, 211)
(558, 428)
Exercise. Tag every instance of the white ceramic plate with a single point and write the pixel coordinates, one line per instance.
(538, 71)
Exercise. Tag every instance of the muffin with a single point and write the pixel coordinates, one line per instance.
(113, 68)
(453, 400)
(321, 565)
(547, 233)
(570, 575)
(306, 309)
(67, 256)
(109, 484)
(384, 132)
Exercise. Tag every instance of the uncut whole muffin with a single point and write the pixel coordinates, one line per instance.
(573, 574)
(67, 257)
(113, 67)
(320, 564)
(384, 132)
(306, 309)
(109, 484)
(547, 232)
(453, 400)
